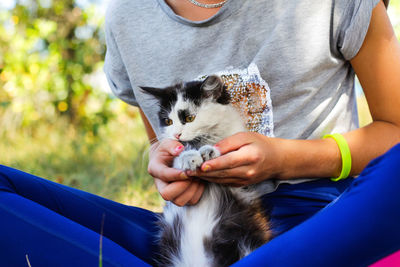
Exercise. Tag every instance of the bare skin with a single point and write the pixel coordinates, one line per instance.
(192, 12)
(249, 158)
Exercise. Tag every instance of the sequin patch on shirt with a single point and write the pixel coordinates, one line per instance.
(251, 96)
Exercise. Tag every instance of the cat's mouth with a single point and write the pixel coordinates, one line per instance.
(198, 141)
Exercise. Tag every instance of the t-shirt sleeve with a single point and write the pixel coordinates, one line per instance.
(114, 68)
(351, 20)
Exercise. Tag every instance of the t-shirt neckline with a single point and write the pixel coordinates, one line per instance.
(226, 10)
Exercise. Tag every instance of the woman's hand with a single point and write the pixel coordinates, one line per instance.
(247, 158)
(174, 185)
(181, 193)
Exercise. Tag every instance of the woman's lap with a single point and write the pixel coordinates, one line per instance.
(291, 204)
(52, 223)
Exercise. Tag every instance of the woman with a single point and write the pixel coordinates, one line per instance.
(299, 58)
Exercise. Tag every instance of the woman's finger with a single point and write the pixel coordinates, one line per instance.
(246, 172)
(230, 160)
(198, 194)
(240, 176)
(186, 195)
(171, 146)
(234, 142)
(170, 191)
(226, 181)
(160, 184)
(161, 159)
(166, 173)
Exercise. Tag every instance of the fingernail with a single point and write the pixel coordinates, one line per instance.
(183, 175)
(217, 147)
(190, 173)
(205, 168)
(178, 148)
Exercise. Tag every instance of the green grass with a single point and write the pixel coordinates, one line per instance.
(112, 164)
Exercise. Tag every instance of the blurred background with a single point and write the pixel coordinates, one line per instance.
(58, 118)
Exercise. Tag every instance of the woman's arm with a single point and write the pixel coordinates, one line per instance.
(149, 130)
(173, 185)
(378, 68)
(250, 157)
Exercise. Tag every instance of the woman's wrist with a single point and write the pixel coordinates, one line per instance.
(153, 147)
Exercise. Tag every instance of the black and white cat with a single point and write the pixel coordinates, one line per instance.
(228, 222)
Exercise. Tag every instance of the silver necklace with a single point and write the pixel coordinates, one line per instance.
(194, 2)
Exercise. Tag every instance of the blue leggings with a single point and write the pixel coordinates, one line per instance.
(353, 222)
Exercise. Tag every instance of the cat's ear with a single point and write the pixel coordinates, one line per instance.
(156, 92)
(213, 86)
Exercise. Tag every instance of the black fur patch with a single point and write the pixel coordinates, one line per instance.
(192, 92)
(225, 97)
(169, 241)
(167, 98)
(213, 86)
(240, 226)
(182, 114)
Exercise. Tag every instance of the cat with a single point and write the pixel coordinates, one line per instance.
(228, 222)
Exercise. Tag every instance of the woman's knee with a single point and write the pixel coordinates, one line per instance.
(380, 181)
(6, 184)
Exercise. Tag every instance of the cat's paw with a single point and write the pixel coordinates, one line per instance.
(208, 152)
(188, 160)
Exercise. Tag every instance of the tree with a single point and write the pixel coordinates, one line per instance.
(47, 50)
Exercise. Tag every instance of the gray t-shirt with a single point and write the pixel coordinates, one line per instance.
(286, 63)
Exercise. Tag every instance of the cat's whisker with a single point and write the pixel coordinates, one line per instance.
(162, 108)
(209, 139)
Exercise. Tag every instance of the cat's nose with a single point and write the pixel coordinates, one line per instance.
(177, 136)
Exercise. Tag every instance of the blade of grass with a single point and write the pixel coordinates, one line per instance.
(101, 241)
(27, 260)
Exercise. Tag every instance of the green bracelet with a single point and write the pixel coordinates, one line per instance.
(345, 154)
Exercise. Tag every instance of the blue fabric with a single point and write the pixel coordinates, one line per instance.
(290, 205)
(358, 228)
(318, 223)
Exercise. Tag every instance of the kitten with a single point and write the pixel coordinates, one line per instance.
(228, 222)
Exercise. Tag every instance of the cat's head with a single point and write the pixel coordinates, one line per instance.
(189, 112)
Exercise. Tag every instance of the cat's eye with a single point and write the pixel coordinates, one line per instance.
(190, 118)
(168, 121)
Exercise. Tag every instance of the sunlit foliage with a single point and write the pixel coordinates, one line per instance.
(47, 52)
(56, 120)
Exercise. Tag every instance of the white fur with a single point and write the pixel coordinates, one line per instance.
(208, 152)
(198, 222)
